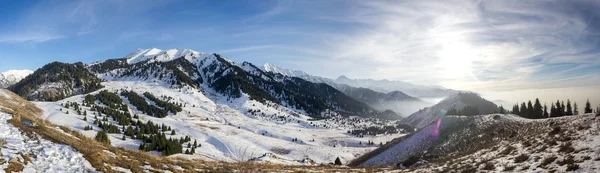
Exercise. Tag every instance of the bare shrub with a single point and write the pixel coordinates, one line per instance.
(488, 166)
(572, 167)
(521, 158)
(507, 150)
(566, 148)
(566, 160)
(548, 160)
(554, 131)
(509, 168)
(410, 161)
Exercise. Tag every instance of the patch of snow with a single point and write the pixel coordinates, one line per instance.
(46, 156)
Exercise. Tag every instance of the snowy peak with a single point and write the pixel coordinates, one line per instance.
(13, 76)
(286, 72)
(155, 54)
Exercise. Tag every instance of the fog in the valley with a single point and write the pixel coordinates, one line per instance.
(405, 108)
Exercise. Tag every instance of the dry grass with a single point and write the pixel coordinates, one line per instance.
(14, 167)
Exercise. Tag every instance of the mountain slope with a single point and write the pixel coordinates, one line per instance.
(387, 86)
(11, 77)
(457, 101)
(57, 81)
(211, 72)
(396, 101)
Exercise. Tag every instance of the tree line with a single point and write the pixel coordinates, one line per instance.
(535, 110)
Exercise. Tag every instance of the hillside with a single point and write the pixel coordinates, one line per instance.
(495, 143)
(31, 144)
(457, 101)
(56, 81)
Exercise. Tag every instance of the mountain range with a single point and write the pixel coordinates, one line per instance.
(390, 85)
(396, 100)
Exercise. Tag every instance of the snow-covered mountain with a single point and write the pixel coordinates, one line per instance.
(13, 76)
(457, 101)
(396, 101)
(235, 111)
(182, 67)
(389, 85)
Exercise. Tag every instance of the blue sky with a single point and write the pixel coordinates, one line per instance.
(471, 45)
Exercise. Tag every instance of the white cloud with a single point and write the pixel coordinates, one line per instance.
(470, 45)
(28, 37)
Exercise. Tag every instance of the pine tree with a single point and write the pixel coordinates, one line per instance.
(562, 108)
(588, 107)
(545, 115)
(515, 109)
(575, 109)
(173, 132)
(553, 111)
(537, 110)
(530, 112)
(501, 109)
(558, 109)
(523, 111)
(102, 137)
(569, 108)
(338, 161)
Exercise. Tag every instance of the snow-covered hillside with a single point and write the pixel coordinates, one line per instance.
(12, 76)
(30, 152)
(236, 129)
(497, 143)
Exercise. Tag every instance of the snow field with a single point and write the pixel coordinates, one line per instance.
(228, 132)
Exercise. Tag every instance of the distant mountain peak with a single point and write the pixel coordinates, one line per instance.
(343, 77)
(13, 76)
